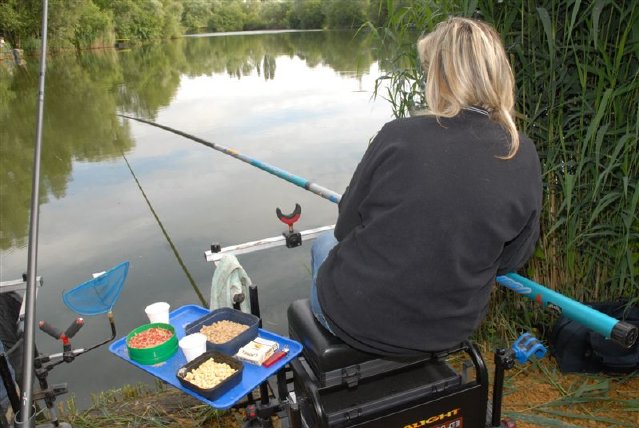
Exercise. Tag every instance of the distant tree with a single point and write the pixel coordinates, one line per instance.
(124, 17)
(150, 20)
(140, 20)
(19, 20)
(196, 14)
(307, 14)
(227, 15)
(172, 23)
(253, 15)
(70, 22)
(275, 14)
(63, 17)
(345, 14)
(93, 24)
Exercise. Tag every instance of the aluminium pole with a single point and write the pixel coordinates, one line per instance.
(32, 263)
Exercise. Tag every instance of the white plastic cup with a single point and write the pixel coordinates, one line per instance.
(193, 345)
(158, 312)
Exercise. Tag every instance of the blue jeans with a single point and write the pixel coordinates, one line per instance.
(320, 249)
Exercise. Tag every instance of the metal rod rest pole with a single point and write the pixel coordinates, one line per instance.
(32, 263)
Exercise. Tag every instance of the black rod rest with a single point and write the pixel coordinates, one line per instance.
(504, 360)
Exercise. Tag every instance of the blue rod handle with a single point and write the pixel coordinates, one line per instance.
(621, 332)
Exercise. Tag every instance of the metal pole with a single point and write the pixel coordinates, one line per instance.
(32, 263)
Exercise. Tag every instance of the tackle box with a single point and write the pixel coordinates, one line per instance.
(338, 386)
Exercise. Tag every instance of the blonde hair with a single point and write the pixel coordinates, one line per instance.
(466, 66)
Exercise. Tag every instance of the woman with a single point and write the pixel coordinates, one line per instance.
(439, 205)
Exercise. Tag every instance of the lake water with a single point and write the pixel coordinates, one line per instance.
(300, 101)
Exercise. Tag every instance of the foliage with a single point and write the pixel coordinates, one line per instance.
(137, 20)
(195, 15)
(577, 70)
(93, 23)
(275, 15)
(172, 24)
(341, 15)
(227, 15)
(404, 21)
(307, 14)
(18, 18)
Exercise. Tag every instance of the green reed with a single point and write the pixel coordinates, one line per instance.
(577, 69)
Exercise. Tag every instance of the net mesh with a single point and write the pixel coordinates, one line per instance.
(97, 295)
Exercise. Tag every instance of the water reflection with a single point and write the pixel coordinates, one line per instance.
(79, 124)
(84, 93)
(301, 101)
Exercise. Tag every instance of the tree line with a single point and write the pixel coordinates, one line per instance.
(87, 24)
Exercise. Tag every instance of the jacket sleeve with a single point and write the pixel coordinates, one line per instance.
(518, 251)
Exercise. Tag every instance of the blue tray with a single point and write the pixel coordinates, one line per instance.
(252, 376)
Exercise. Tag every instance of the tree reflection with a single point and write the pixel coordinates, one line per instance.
(79, 124)
(85, 91)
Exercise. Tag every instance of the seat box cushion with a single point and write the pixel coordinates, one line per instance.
(323, 351)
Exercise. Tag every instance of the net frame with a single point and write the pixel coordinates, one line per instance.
(97, 295)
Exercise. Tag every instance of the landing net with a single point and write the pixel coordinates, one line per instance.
(97, 295)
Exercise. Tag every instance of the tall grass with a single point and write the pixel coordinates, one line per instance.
(577, 69)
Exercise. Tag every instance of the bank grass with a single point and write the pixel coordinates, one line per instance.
(140, 405)
(576, 65)
(539, 395)
(536, 394)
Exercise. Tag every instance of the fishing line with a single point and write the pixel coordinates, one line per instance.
(278, 172)
(166, 235)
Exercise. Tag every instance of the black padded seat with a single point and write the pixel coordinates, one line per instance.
(335, 362)
(323, 350)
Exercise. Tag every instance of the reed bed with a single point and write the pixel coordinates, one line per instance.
(577, 69)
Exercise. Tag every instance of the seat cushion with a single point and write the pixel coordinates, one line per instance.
(323, 351)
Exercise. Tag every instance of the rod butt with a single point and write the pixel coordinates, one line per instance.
(624, 334)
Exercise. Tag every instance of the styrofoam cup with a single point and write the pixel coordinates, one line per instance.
(193, 345)
(158, 312)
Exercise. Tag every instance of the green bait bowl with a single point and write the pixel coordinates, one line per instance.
(156, 354)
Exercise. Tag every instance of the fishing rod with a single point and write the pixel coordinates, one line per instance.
(620, 331)
(166, 235)
(27, 411)
(291, 178)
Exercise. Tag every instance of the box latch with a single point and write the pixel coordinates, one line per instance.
(350, 375)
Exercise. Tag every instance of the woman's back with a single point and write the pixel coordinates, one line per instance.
(439, 205)
(422, 230)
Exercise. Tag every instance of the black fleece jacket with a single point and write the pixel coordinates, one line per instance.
(430, 217)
